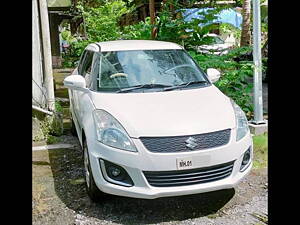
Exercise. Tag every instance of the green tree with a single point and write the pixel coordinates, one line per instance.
(101, 22)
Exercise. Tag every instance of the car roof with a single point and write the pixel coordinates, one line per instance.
(127, 45)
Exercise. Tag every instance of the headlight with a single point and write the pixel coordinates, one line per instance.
(241, 121)
(110, 132)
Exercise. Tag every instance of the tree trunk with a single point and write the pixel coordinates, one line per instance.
(152, 16)
(246, 32)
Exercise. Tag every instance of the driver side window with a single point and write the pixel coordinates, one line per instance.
(111, 65)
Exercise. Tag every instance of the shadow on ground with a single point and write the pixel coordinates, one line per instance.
(67, 169)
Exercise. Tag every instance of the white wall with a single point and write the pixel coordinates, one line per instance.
(38, 98)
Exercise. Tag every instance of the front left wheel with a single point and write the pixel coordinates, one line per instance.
(92, 190)
(73, 128)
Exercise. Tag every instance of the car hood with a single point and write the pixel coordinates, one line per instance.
(170, 113)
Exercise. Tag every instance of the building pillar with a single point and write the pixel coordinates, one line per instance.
(54, 37)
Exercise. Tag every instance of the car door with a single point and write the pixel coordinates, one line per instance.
(84, 69)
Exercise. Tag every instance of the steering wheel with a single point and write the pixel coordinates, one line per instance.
(118, 75)
(179, 66)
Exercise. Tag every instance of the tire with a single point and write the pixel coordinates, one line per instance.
(92, 190)
(73, 128)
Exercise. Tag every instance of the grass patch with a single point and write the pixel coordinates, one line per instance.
(52, 139)
(260, 143)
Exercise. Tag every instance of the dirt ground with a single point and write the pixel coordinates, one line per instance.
(59, 198)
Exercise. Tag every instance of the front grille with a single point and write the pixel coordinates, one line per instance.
(178, 143)
(188, 177)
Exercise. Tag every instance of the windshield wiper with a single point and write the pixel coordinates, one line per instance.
(184, 85)
(143, 86)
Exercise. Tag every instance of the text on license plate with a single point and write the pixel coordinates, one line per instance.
(184, 163)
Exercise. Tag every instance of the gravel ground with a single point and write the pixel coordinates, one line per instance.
(59, 198)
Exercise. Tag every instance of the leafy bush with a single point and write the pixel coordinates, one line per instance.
(58, 107)
(66, 35)
(139, 31)
(235, 85)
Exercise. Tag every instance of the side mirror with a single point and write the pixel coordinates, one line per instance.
(75, 82)
(213, 74)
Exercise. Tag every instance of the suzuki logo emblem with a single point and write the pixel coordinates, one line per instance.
(191, 143)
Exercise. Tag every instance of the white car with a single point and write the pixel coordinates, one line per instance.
(218, 46)
(152, 124)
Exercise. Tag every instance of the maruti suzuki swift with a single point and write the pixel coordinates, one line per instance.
(152, 124)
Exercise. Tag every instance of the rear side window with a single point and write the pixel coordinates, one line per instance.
(86, 63)
(80, 62)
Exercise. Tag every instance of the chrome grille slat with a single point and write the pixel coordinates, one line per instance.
(188, 177)
(178, 143)
(190, 174)
(182, 183)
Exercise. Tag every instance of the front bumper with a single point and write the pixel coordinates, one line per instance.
(143, 160)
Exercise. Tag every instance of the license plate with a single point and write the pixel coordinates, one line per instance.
(184, 163)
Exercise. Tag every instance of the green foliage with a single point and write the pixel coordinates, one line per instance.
(189, 34)
(66, 35)
(58, 107)
(171, 27)
(139, 31)
(69, 62)
(235, 85)
(77, 47)
(101, 24)
(52, 139)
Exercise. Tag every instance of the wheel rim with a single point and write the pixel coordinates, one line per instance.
(86, 167)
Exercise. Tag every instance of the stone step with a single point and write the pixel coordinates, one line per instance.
(54, 146)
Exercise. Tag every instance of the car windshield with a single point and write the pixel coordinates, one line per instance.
(147, 69)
